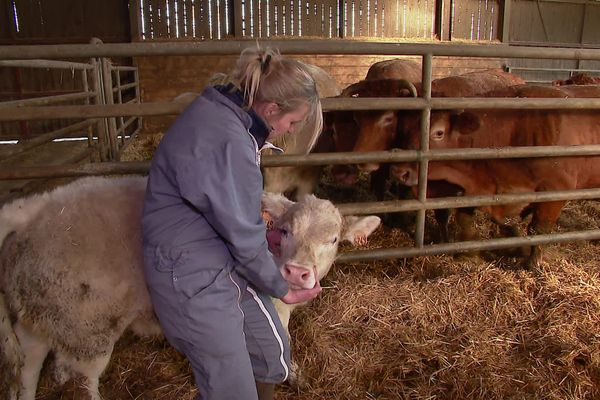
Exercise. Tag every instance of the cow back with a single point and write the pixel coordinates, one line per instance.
(83, 252)
(473, 83)
(395, 69)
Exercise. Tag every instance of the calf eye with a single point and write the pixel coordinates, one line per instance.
(334, 241)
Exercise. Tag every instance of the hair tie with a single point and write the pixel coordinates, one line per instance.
(264, 65)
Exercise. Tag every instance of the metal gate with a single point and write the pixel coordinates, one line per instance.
(426, 104)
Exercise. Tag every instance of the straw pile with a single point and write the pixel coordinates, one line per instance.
(422, 328)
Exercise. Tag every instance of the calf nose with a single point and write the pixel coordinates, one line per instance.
(298, 276)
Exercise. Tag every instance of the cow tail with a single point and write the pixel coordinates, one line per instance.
(11, 355)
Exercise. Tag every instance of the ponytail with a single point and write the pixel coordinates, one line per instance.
(264, 75)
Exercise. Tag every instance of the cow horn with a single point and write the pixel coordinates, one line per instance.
(408, 85)
(352, 90)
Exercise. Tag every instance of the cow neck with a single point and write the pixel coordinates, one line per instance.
(259, 129)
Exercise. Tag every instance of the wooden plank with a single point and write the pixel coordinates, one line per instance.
(135, 20)
(202, 25)
(158, 27)
(350, 25)
(390, 19)
(286, 11)
(213, 19)
(8, 31)
(256, 19)
(188, 17)
(276, 18)
(319, 21)
(225, 28)
(180, 18)
(591, 33)
(334, 14)
(172, 23)
(236, 20)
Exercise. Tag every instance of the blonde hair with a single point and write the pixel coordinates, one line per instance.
(263, 75)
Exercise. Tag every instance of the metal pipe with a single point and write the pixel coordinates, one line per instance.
(25, 145)
(315, 46)
(396, 156)
(423, 164)
(391, 206)
(124, 87)
(61, 171)
(461, 247)
(329, 104)
(54, 64)
(40, 101)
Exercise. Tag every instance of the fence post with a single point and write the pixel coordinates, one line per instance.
(108, 100)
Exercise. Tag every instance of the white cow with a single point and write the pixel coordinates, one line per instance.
(71, 276)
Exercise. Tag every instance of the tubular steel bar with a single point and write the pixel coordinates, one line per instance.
(461, 247)
(329, 104)
(467, 201)
(423, 164)
(315, 46)
(45, 64)
(40, 101)
(46, 137)
(356, 158)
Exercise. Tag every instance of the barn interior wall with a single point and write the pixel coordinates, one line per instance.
(164, 77)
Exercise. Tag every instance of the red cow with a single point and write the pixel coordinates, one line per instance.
(382, 130)
(578, 79)
(502, 128)
(344, 125)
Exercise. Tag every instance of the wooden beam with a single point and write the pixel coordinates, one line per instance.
(505, 22)
(135, 21)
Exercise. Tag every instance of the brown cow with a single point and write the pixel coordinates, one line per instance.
(502, 128)
(344, 125)
(382, 130)
(578, 79)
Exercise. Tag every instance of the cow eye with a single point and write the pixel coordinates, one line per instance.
(334, 241)
(437, 135)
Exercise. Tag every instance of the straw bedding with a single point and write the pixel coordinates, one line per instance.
(423, 328)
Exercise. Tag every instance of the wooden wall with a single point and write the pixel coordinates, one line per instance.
(554, 23)
(163, 78)
(64, 21)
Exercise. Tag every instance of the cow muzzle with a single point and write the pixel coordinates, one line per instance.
(369, 167)
(405, 175)
(299, 276)
(345, 174)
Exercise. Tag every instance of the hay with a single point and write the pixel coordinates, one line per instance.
(479, 332)
(422, 328)
(141, 148)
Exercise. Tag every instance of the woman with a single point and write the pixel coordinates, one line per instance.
(207, 264)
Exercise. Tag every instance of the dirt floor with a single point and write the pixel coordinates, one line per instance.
(438, 327)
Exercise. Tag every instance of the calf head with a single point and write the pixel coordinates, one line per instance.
(305, 235)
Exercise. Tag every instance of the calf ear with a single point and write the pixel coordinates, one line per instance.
(273, 206)
(357, 229)
(465, 122)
